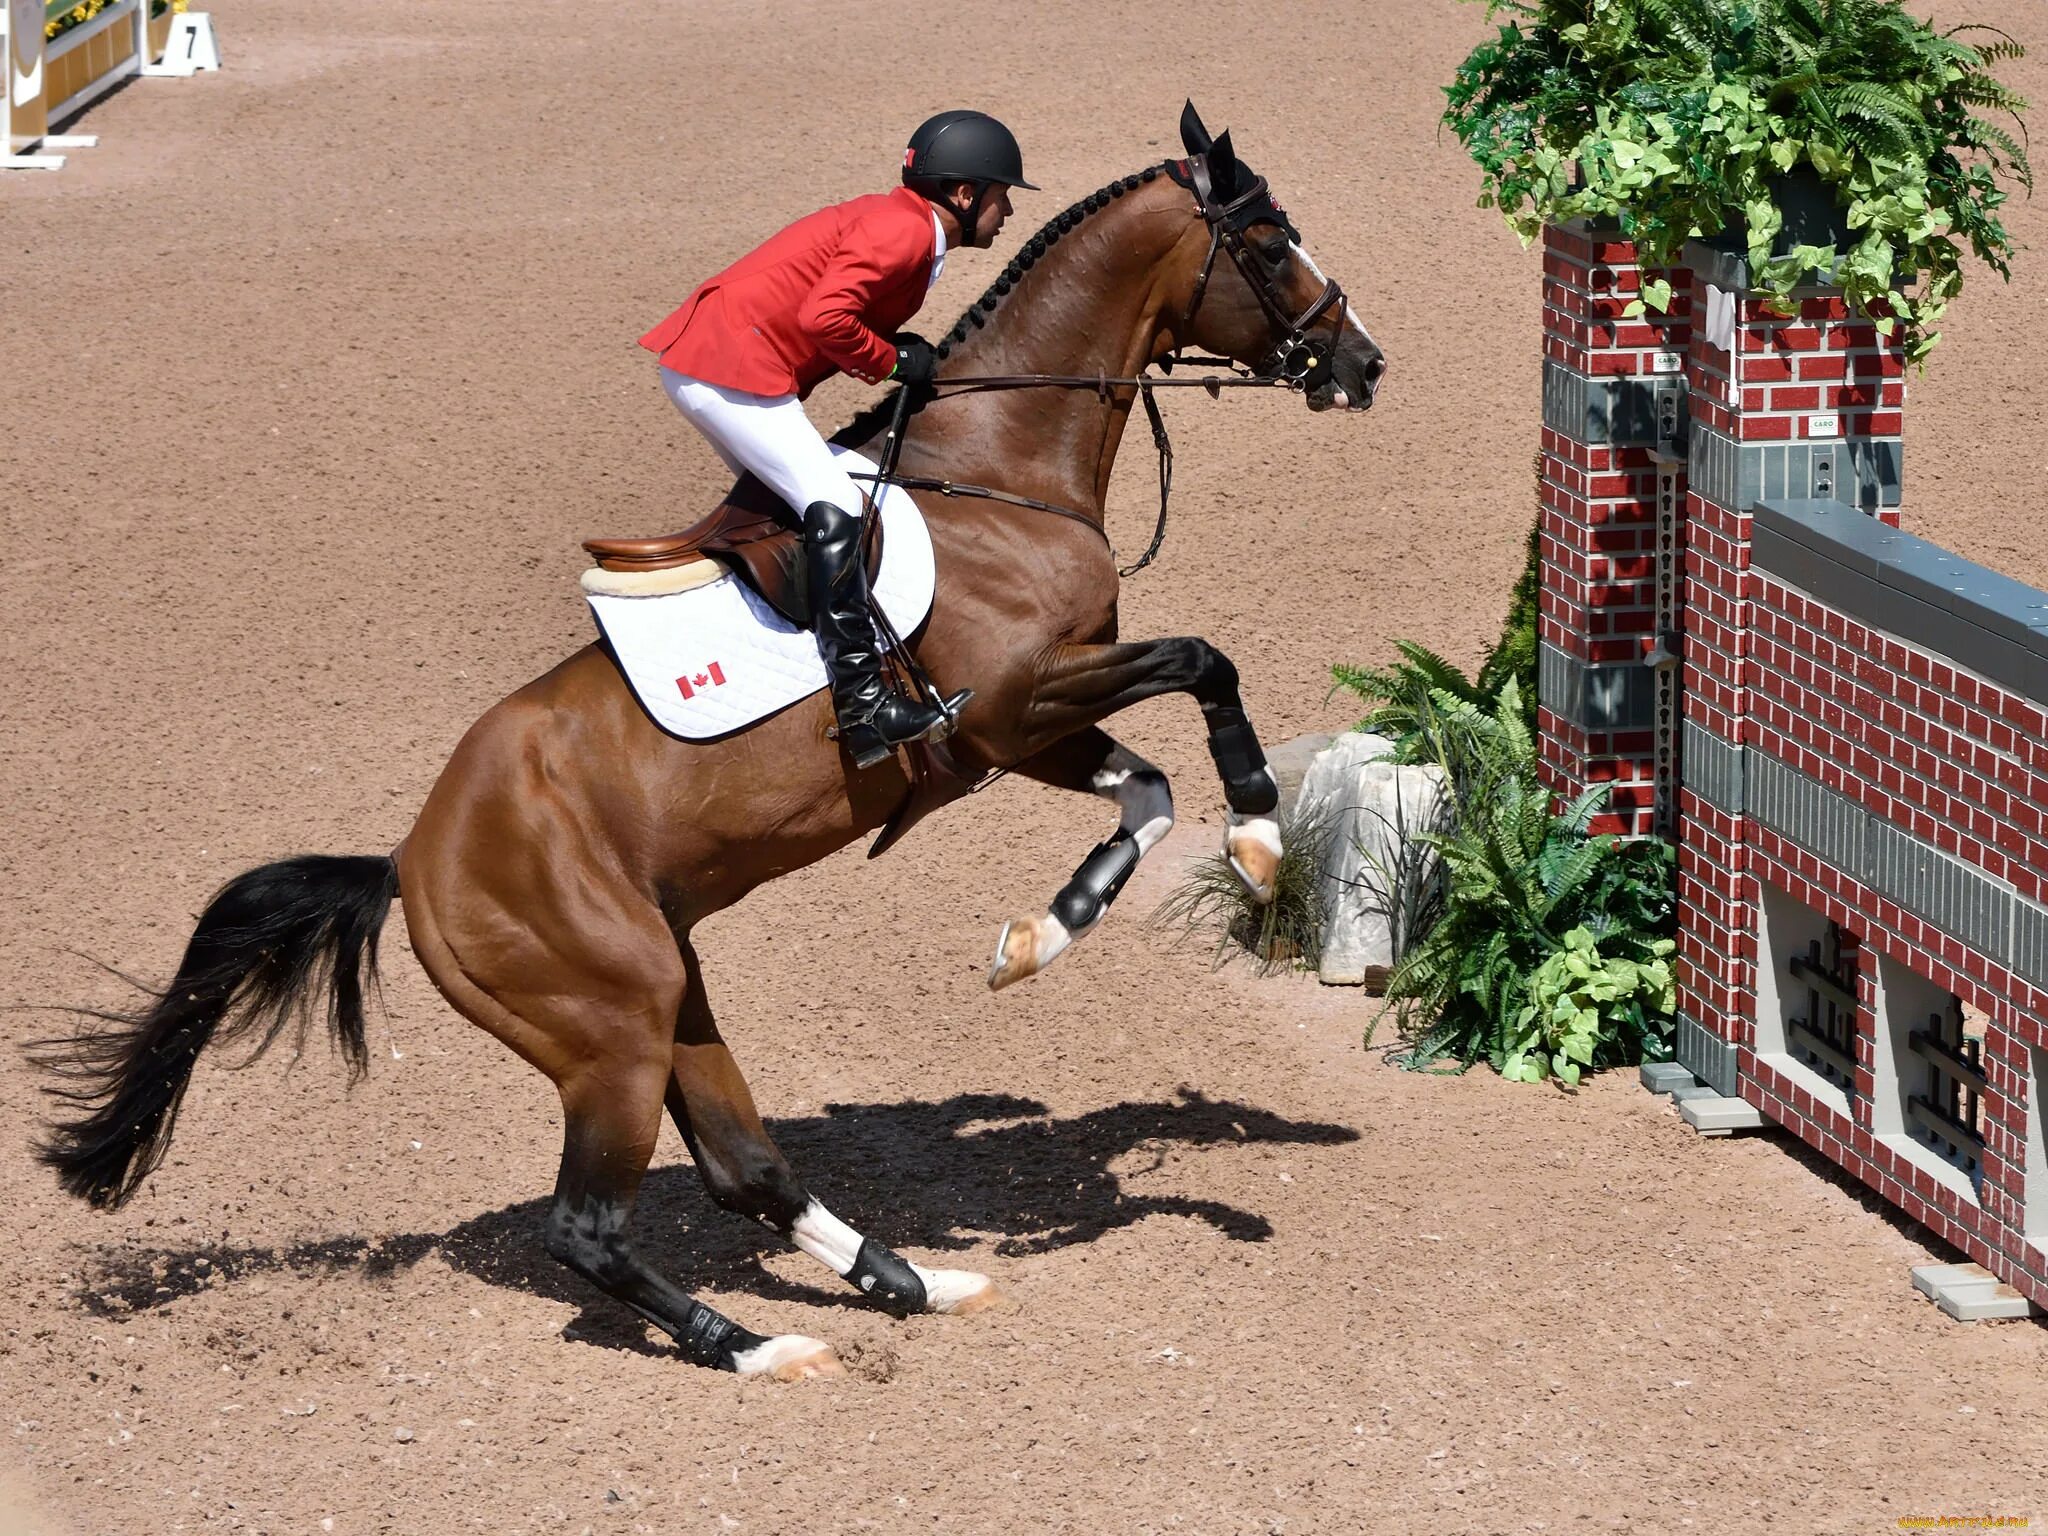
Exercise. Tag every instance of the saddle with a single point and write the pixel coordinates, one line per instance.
(754, 534)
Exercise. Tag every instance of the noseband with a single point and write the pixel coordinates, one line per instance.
(1295, 359)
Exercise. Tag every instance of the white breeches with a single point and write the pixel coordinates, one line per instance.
(769, 435)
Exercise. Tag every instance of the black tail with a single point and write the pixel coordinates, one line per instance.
(266, 948)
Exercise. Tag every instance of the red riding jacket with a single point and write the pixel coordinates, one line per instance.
(820, 297)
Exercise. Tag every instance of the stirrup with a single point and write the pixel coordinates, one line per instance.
(866, 745)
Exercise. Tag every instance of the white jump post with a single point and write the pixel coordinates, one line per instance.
(50, 79)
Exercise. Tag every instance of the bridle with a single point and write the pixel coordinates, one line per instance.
(1295, 362)
(1295, 359)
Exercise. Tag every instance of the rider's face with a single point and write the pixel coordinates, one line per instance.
(994, 210)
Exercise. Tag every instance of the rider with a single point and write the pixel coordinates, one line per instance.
(821, 297)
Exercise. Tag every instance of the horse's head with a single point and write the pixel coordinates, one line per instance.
(1265, 303)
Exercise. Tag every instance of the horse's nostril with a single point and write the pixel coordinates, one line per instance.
(1374, 369)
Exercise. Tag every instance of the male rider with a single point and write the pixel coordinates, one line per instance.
(827, 295)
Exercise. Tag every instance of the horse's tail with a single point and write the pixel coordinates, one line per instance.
(270, 944)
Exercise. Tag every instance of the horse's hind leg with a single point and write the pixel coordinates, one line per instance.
(746, 1172)
(612, 1117)
(595, 1011)
(1094, 762)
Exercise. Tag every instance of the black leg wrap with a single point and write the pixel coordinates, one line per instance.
(1083, 899)
(1247, 786)
(884, 1278)
(712, 1339)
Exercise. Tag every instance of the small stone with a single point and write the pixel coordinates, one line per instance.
(402, 1436)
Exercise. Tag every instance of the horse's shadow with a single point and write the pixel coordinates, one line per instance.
(929, 1176)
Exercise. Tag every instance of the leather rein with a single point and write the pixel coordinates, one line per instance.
(1296, 362)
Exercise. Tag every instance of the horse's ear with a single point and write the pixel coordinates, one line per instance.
(1223, 166)
(1193, 136)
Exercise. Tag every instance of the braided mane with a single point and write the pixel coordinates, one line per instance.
(876, 417)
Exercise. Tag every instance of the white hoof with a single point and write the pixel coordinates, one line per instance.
(957, 1292)
(789, 1357)
(1026, 946)
(1253, 849)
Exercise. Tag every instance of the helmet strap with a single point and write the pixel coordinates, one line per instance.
(972, 216)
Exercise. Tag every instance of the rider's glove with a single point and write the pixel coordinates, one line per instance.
(916, 362)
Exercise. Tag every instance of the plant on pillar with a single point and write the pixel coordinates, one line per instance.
(1683, 119)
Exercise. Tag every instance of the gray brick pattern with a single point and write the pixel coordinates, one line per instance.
(1618, 412)
(1986, 915)
(1945, 891)
(1711, 768)
(1807, 811)
(2030, 941)
(1618, 697)
(1864, 472)
(1705, 1055)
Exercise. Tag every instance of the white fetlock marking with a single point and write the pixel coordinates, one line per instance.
(826, 1238)
(1148, 835)
(945, 1290)
(788, 1355)
(1053, 939)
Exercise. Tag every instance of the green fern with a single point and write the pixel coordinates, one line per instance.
(1524, 883)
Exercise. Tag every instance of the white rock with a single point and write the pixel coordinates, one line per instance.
(1377, 806)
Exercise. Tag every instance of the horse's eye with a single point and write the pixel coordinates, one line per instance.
(1273, 253)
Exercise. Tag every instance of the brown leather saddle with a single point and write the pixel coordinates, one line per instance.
(753, 534)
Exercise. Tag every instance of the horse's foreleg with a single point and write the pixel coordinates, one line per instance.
(1079, 685)
(1092, 762)
(745, 1171)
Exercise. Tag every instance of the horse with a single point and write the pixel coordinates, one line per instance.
(555, 872)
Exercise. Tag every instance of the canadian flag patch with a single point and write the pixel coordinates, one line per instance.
(713, 676)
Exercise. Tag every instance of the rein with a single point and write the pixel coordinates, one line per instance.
(1103, 385)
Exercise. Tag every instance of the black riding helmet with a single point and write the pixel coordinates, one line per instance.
(963, 146)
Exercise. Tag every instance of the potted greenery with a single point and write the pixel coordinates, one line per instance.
(1686, 119)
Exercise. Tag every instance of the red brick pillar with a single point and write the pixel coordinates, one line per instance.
(1613, 479)
(1794, 407)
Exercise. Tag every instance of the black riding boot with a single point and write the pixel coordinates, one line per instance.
(873, 720)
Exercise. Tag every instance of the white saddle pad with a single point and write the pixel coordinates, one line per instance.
(711, 660)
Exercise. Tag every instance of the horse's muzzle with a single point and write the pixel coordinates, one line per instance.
(1355, 375)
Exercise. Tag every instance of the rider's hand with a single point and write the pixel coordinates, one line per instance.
(916, 362)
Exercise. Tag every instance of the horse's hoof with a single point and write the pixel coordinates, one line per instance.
(789, 1357)
(958, 1292)
(1253, 850)
(1026, 946)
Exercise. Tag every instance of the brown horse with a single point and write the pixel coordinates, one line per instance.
(554, 876)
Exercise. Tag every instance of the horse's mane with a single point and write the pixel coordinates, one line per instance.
(876, 417)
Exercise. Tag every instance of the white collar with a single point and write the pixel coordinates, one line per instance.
(938, 250)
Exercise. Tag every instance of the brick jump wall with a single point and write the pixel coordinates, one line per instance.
(1612, 475)
(1840, 726)
(1892, 791)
